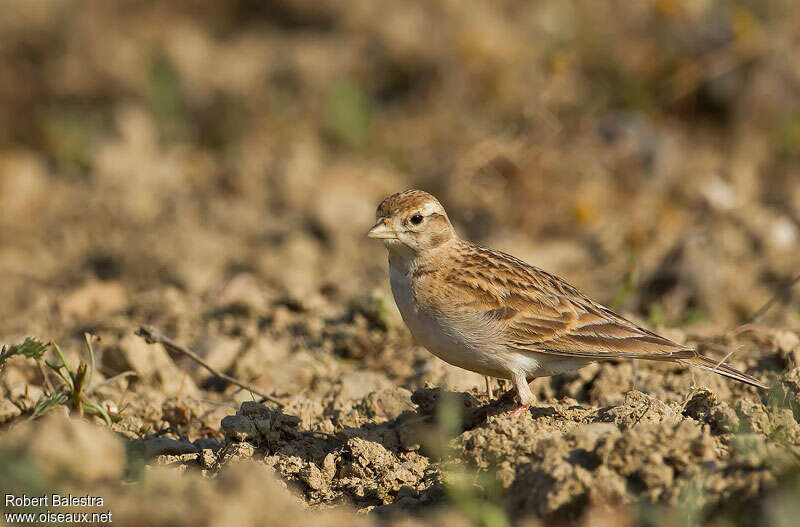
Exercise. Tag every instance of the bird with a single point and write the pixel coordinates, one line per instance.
(486, 311)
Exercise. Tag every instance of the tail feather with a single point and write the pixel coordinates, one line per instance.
(723, 369)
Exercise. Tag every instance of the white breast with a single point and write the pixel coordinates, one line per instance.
(467, 342)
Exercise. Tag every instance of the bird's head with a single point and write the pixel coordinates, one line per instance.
(411, 223)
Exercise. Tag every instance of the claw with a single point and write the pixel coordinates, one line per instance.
(519, 410)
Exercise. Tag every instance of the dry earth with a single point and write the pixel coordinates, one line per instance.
(210, 170)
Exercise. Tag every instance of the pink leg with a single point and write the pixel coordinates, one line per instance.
(519, 410)
(489, 390)
(524, 395)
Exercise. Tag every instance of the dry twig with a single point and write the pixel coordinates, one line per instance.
(763, 309)
(153, 336)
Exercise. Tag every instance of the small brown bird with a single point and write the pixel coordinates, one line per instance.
(488, 312)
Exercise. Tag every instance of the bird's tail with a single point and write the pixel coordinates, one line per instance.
(724, 370)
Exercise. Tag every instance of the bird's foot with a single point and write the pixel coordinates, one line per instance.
(519, 410)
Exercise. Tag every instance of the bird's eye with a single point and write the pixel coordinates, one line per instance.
(416, 219)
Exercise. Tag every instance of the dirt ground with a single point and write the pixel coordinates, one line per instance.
(210, 170)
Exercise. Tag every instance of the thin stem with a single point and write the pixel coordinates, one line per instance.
(99, 410)
(152, 336)
(77, 395)
(91, 389)
(60, 373)
(64, 362)
(88, 338)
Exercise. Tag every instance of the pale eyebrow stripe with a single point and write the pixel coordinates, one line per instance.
(428, 208)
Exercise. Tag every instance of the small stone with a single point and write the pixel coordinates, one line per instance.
(241, 294)
(312, 476)
(8, 411)
(240, 450)
(329, 467)
(206, 443)
(164, 446)
(207, 458)
(408, 438)
(263, 425)
(152, 362)
(724, 420)
(699, 406)
(753, 416)
(788, 344)
(222, 353)
(239, 428)
(179, 461)
(787, 340)
(176, 413)
(406, 492)
(254, 409)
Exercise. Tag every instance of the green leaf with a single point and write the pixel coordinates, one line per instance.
(60, 373)
(94, 408)
(45, 404)
(30, 347)
(88, 338)
(655, 316)
(66, 366)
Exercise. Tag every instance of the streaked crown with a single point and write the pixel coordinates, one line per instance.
(408, 201)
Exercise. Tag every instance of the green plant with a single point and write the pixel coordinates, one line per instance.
(77, 387)
(655, 315)
(475, 494)
(693, 315)
(31, 348)
(165, 102)
(348, 113)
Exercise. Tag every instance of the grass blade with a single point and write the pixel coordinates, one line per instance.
(93, 407)
(88, 338)
(60, 373)
(64, 362)
(108, 381)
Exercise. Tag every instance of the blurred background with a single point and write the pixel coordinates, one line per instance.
(211, 168)
(647, 151)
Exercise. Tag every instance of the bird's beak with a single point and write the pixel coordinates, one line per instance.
(381, 232)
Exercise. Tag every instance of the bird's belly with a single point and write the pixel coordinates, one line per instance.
(473, 343)
(472, 351)
(457, 348)
(457, 342)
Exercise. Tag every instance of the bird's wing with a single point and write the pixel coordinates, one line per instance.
(542, 313)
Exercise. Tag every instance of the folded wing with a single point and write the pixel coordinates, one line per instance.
(542, 313)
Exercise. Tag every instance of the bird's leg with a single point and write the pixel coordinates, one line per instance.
(524, 394)
(489, 391)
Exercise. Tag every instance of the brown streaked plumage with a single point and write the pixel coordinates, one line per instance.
(492, 313)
